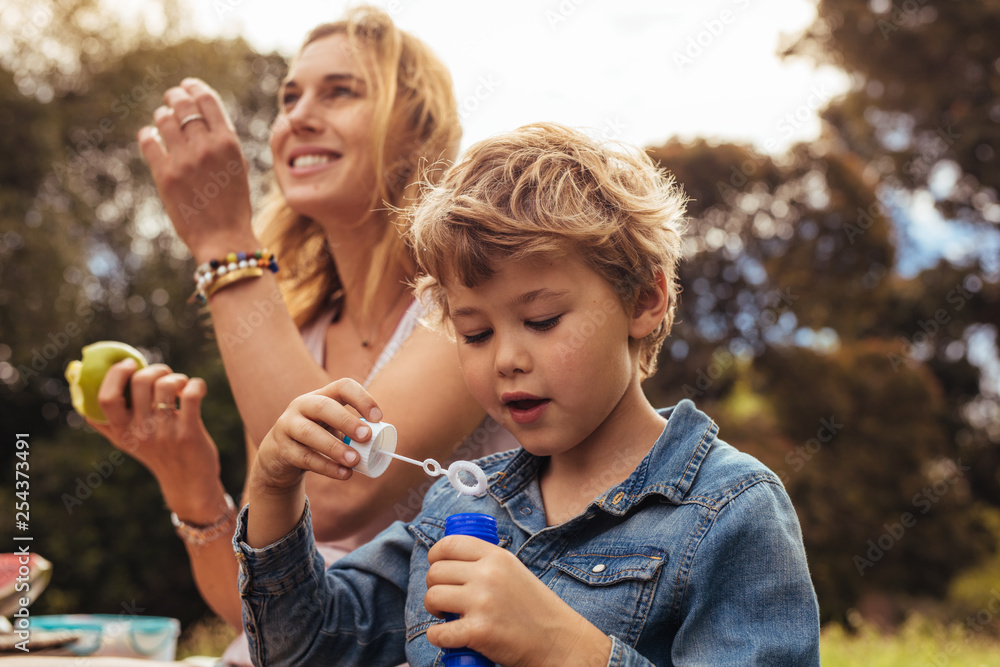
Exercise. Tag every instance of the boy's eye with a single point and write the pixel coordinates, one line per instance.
(288, 98)
(472, 339)
(543, 325)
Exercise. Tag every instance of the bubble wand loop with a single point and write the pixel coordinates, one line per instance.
(434, 469)
(383, 443)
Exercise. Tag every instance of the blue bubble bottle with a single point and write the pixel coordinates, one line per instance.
(484, 527)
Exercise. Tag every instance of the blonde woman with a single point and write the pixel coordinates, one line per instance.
(366, 114)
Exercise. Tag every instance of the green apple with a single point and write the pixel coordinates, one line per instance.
(85, 376)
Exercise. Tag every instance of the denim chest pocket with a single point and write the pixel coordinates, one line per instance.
(427, 534)
(612, 588)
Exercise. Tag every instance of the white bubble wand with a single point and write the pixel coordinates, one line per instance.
(377, 453)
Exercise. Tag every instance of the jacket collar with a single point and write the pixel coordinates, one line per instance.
(668, 469)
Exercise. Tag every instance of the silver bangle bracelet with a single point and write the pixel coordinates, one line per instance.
(198, 535)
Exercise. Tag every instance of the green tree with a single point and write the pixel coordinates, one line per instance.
(86, 254)
(797, 333)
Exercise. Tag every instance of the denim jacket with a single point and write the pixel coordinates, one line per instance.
(695, 559)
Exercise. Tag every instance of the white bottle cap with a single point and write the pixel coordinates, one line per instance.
(383, 439)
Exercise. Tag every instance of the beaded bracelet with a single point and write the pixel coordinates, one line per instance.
(199, 535)
(216, 274)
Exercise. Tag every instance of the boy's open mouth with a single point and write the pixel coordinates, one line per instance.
(527, 403)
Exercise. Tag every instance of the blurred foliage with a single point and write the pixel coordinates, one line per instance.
(873, 394)
(87, 254)
(926, 94)
(869, 391)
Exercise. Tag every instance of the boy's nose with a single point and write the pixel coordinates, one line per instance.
(512, 356)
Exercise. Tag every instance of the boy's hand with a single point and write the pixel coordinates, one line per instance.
(307, 436)
(507, 614)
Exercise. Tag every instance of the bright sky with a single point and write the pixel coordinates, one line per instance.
(639, 71)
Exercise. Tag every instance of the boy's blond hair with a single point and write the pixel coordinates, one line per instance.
(548, 189)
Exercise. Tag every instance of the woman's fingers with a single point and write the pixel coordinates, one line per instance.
(166, 391)
(169, 127)
(190, 120)
(190, 398)
(208, 103)
(153, 150)
(111, 394)
(142, 389)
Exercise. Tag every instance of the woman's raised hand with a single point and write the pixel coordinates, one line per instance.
(200, 171)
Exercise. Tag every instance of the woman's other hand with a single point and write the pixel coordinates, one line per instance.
(161, 427)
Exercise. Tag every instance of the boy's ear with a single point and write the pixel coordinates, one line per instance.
(650, 309)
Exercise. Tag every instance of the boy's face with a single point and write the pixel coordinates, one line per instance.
(544, 347)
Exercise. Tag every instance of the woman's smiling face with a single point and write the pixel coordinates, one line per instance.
(321, 140)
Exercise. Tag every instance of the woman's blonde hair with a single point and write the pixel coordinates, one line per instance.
(415, 125)
(548, 189)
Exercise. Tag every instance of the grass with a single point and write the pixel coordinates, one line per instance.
(918, 642)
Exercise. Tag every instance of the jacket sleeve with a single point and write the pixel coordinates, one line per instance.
(297, 613)
(623, 655)
(748, 598)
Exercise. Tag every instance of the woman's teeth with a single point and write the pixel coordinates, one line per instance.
(310, 160)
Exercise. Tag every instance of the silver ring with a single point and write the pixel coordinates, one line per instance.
(190, 119)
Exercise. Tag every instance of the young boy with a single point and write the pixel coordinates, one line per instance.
(628, 536)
